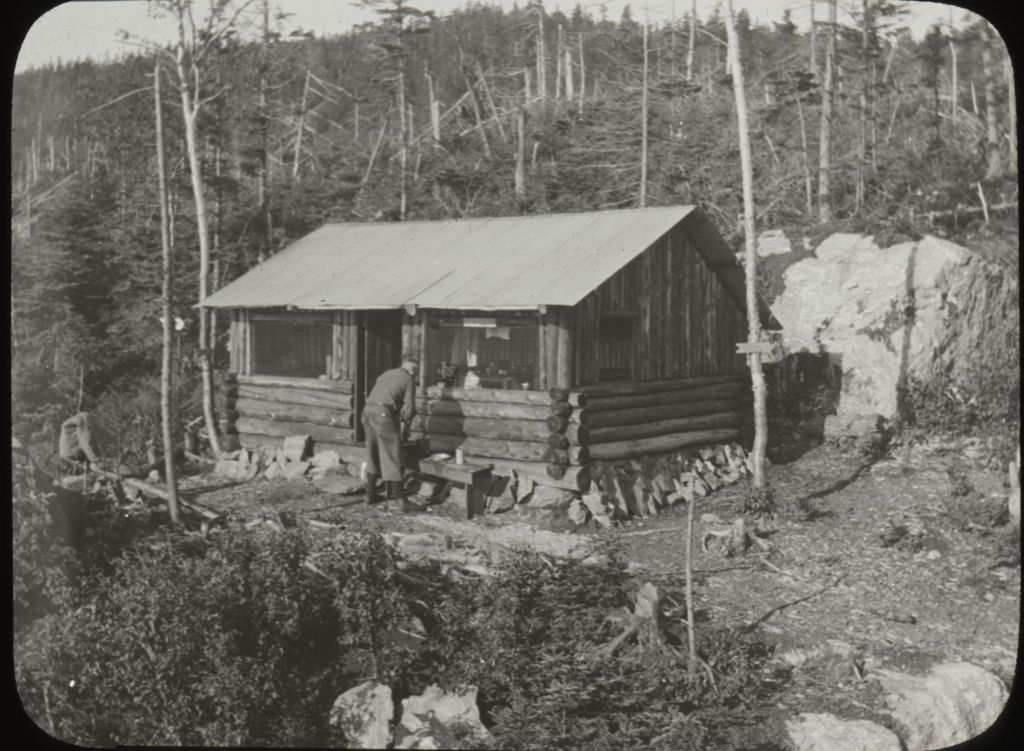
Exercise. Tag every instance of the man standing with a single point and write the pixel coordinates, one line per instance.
(389, 409)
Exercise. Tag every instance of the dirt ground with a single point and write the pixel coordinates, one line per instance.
(839, 594)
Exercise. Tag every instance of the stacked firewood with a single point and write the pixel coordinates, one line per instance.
(563, 402)
(643, 488)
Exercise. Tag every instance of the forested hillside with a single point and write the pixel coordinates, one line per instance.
(482, 112)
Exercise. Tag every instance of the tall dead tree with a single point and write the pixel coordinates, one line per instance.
(825, 139)
(643, 122)
(263, 182)
(166, 308)
(542, 83)
(692, 42)
(814, 43)
(993, 163)
(1011, 106)
(750, 242)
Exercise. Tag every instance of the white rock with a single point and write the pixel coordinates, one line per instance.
(852, 299)
(545, 496)
(826, 732)
(438, 719)
(577, 512)
(363, 714)
(951, 704)
(326, 460)
(295, 470)
(711, 519)
(297, 447)
(338, 484)
(273, 470)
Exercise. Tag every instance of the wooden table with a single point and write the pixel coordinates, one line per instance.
(470, 481)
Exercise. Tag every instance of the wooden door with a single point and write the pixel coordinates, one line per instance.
(380, 347)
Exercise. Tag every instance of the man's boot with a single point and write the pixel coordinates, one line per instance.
(397, 490)
(371, 489)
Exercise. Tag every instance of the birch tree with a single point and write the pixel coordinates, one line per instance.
(753, 321)
(825, 139)
(167, 278)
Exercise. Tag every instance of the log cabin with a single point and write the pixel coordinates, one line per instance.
(546, 343)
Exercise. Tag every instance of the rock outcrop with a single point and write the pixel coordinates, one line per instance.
(953, 703)
(363, 715)
(440, 719)
(826, 732)
(913, 310)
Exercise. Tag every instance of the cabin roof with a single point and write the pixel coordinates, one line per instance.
(502, 263)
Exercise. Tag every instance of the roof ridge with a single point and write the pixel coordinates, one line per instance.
(687, 207)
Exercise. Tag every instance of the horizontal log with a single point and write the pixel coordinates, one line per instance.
(299, 413)
(696, 394)
(589, 436)
(628, 388)
(284, 428)
(304, 397)
(572, 433)
(306, 384)
(483, 427)
(591, 421)
(492, 410)
(655, 445)
(505, 396)
(490, 448)
(349, 453)
(577, 477)
(536, 471)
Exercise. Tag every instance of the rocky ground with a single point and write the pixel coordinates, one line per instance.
(877, 571)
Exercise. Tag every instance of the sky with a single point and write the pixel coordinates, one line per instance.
(91, 28)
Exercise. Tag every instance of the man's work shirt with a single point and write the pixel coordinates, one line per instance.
(396, 389)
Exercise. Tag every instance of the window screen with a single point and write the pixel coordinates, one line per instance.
(291, 348)
(502, 352)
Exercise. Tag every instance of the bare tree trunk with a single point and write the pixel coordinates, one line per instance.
(302, 125)
(166, 305)
(955, 84)
(570, 93)
(190, 112)
(825, 140)
(583, 74)
(692, 41)
(263, 185)
(558, 63)
(643, 127)
(753, 320)
(862, 146)
(1011, 107)
(994, 166)
(435, 114)
(814, 43)
(542, 84)
(490, 102)
(520, 177)
(808, 182)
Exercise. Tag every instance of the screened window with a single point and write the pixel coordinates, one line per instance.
(492, 353)
(298, 347)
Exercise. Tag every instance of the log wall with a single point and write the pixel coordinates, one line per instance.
(684, 322)
(631, 420)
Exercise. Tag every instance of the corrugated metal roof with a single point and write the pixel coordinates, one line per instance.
(488, 263)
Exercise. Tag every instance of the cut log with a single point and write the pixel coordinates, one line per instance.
(698, 420)
(306, 384)
(654, 445)
(493, 410)
(280, 411)
(556, 471)
(558, 456)
(558, 441)
(655, 399)
(558, 393)
(557, 424)
(506, 396)
(491, 448)
(305, 397)
(483, 427)
(284, 428)
(645, 415)
(562, 409)
(622, 388)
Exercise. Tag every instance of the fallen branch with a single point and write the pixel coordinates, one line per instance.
(755, 623)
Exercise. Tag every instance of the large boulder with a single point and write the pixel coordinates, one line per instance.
(440, 719)
(826, 732)
(916, 310)
(363, 715)
(951, 704)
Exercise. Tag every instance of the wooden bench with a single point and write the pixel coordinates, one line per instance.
(470, 481)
